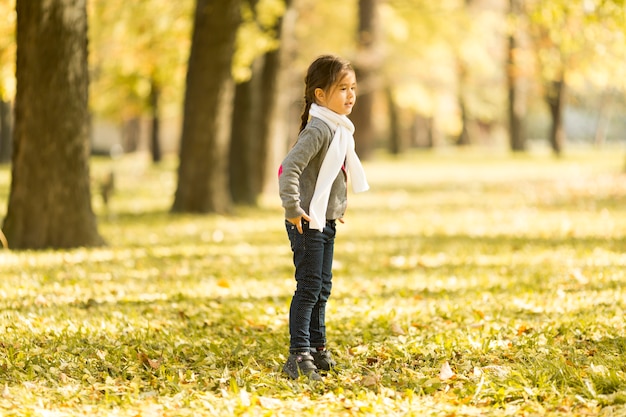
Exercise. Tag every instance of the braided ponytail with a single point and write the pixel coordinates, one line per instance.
(322, 73)
(305, 113)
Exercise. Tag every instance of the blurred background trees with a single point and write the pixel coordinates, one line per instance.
(138, 58)
(578, 45)
(507, 74)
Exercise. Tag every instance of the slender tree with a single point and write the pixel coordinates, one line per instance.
(463, 79)
(463, 138)
(155, 131)
(555, 98)
(573, 39)
(50, 200)
(516, 98)
(203, 168)
(396, 142)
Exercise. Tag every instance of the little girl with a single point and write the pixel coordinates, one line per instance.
(312, 186)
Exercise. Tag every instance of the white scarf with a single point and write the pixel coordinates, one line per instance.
(341, 149)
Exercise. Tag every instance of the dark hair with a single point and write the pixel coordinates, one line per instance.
(322, 73)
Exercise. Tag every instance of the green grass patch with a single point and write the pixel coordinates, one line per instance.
(465, 284)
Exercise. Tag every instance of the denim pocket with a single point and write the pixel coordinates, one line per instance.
(295, 238)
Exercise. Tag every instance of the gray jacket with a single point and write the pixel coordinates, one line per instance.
(299, 172)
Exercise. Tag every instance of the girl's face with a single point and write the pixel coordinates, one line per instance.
(341, 96)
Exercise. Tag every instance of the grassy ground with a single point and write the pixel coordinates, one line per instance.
(464, 285)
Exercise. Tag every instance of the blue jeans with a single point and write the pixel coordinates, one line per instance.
(313, 259)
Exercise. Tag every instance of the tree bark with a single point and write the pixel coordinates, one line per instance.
(131, 134)
(283, 119)
(516, 99)
(269, 102)
(422, 132)
(604, 120)
(6, 133)
(245, 139)
(365, 67)
(203, 170)
(396, 144)
(464, 138)
(155, 141)
(254, 124)
(50, 199)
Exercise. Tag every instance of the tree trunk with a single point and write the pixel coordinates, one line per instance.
(254, 116)
(604, 120)
(282, 127)
(396, 145)
(516, 100)
(365, 67)
(362, 119)
(463, 138)
(269, 103)
(422, 132)
(131, 134)
(245, 139)
(50, 198)
(555, 97)
(155, 143)
(6, 133)
(203, 171)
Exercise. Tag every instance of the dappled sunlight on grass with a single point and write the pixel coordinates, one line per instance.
(463, 285)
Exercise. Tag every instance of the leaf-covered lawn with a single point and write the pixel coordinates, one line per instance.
(464, 285)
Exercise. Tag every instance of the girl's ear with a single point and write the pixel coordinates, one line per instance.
(320, 96)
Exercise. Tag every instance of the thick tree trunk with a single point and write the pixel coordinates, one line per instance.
(516, 99)
(50, 199)
(203, 171)
(555, 97)
(6, 132)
